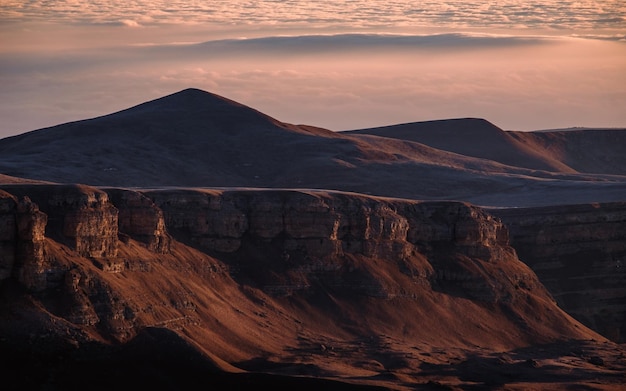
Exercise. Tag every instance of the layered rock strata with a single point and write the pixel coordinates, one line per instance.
(303, 234)
(579, 254)
(140, 219)
(315, 236)
(116, 260)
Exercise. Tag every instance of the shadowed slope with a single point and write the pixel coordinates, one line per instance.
(589, 150)
(472, 137)
(191, 138)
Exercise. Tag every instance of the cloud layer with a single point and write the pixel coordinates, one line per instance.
(558, 14)
(340, 65)
(339, 82)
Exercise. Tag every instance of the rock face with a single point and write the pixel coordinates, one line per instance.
(77, 216)
(315, 236)
(579, 253)
(33, 269)
(284, 241)
(305, 242)
(242, 275)
(140, 219)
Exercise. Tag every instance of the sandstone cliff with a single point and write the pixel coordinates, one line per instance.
(287, 240)
(579, 253)
(265, 280)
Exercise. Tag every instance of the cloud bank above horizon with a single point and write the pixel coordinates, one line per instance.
(340, 65)
(557, 14)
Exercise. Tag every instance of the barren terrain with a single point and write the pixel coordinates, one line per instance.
(193, 241)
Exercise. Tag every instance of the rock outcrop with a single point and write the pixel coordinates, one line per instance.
(140, 219)
(579, 254)
(79, 217)
(284, 241)
(291, 240)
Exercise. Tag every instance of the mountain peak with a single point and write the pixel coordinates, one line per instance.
(187, 100)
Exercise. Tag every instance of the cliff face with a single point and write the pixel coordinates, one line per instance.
(140, 219)
(579, 253)
(264, 279)
(250, 274)
(80, 217)
(287, 241)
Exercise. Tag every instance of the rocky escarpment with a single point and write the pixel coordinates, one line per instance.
(89, 221)
(262, 280)
(282, 241)
(292, 240)
(79, 217)
(579, 253)
(140, 219)
(22, 239)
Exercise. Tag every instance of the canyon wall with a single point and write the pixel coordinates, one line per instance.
(65, 241)
(282, 240)
(80, 217)
(313, 237)
(579, 254)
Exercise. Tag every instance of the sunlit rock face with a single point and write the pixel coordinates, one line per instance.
(284, 242)
(79, 217)
(579, 254)
(290, 241)
(140, 219)
(22, 239)
(33, 270)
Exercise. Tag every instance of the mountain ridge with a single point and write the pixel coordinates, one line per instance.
(195, 138)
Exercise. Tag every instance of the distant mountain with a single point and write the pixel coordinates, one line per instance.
(197, 139)
(472, 137)
(598, 151)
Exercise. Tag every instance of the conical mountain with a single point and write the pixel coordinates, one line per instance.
(188, 138)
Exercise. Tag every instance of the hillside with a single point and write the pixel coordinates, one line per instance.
(471, 137)
(590, 151)
(196, 139)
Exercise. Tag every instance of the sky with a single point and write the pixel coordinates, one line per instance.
(341, 65)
